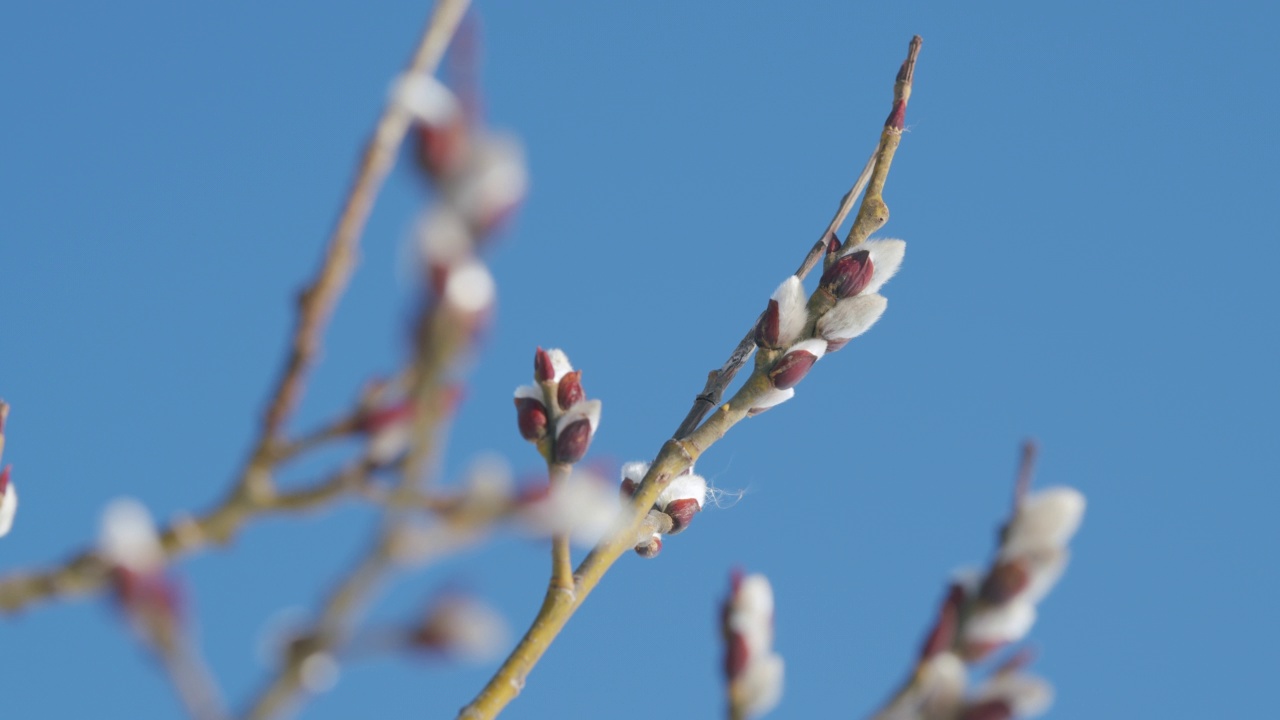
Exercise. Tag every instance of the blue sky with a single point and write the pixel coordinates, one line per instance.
(1086, 193)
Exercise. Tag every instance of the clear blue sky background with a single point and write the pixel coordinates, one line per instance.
(1087, 191)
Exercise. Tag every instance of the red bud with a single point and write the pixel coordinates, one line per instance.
(441, 148)
(833, 243)
(569, 393)
(531, 416)
(542, 369)
(735, 655)
(573, 441)
(629, 488)
(995, 709)
(848, 275)
(1004, 582)
(4, 479)
(767, 328)
(681, 513)
(791, 369)
(650, 549)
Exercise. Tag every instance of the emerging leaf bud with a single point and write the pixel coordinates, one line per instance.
(531, 414)
(569, 392)
(788, 371)
(651, 548)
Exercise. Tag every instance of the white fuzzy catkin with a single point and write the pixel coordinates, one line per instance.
(792, 313)
(1001, 624)
(771, 397)
(635, 471)
(470, 287)
(683, 487)
(852, 316)
(886, 257)
(816, 347)
(1046, 518)
(425, 98)
(493, 180)
(128, 536)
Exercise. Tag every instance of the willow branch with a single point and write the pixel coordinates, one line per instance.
(676, 456)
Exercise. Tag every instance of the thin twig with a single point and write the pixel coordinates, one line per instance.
(192, 680)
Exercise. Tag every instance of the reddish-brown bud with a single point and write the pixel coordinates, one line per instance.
(572, 442)
(542, 369)
(791, 369)
(380, 418)
(767, 328)
(629, 488)
(898, 116)
(531, 416)
(681, 513)
(736, 654)
(650, 549)
(569, 392)
(441, 148)
(849, 275)
(943, 634)
(1004, 582)
(4, 479)
(146, 593)
(833, 243)
(995, 709)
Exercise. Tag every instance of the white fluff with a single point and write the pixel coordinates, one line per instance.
(1027, 695)
(493, 180)
(560, 364)
(852, 316)
(443, 236)
(816, 347)
(635, 471)
(472, 630)
(529, 392)
(425, 98)
(583, 506)
(759, 688)
(8, 508)
(587, 409)
(886, 257)
(128, 537)
(792, 313)
(1045, 519)
(1003, 624)
(1046, 566)
(773, 397)
(470, 287)
(683, 487)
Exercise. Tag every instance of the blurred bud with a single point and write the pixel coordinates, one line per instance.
(8, 501)
(462, 627)
(943, 635)
(941, 684)
(629, 488)
(574, 431)
(583, 506)
(773, 397)
(492, 181)
(531, 414)
(441, 148)
(131, 547)
(848, 275)
(850, 318)
(426, 99)
(1022, 695)
(650, 549)
(755, 673)
(1004, 582)
(389, 428)
(1044, 519)
(470, 288)
(791, 368)
(128, 537)
(992, 626)
(444, 240)
(569, 391)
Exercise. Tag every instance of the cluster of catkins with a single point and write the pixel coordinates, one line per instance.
(795, 332)
(555, 413)
(986, 611)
